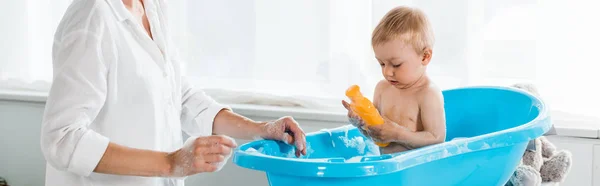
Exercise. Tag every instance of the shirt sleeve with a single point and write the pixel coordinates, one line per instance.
(76, 97)
(198, 110)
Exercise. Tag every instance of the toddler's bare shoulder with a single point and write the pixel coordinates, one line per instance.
(383, 84)
(431, 95)
(381, 87)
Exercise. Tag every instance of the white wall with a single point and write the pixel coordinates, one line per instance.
(21, 160)
(22, 163)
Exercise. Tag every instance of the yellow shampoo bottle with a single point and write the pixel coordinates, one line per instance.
(364, 108)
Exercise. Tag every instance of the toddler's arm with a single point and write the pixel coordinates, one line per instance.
(432, 118)
(434, 123)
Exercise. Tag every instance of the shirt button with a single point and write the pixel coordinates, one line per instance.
(169, 100)
(169, 106)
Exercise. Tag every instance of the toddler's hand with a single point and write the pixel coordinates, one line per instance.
(386, 132)
(355, 120)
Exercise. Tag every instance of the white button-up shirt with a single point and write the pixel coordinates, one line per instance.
(112, 82)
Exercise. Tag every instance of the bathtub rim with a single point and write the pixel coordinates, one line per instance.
(399, 161)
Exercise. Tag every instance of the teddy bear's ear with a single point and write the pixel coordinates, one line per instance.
(527, 87)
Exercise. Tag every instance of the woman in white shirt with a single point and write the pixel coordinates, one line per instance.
(118, 103)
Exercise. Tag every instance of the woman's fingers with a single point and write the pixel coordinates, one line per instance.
(299, 138)
(214, 158)
(287, 138)
(293, 134)
(213, 149)
(205, 167)
(217, 139)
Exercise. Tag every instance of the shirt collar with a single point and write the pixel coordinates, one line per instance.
(119, 9)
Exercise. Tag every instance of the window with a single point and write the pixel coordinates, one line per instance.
(306, 53)
(26, 36)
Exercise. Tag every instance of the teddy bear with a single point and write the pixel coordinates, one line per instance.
(541, 162)
(3, 182)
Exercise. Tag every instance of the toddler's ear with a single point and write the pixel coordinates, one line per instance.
(426, 58)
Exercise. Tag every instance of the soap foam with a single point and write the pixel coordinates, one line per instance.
(464, 148)
(354, 159)
(358, 143)
(485, 146)
(330, 136)
(309, 150)
(445, 153)
(373, 149)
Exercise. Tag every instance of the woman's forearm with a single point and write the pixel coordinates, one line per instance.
(121, 160)
(231, 124)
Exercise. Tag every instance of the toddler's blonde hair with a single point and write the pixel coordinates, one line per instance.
(409, 24)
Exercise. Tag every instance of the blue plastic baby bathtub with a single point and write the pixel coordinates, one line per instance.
(488, 129)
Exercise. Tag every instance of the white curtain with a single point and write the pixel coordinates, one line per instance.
(306, 53)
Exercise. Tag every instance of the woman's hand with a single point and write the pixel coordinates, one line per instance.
(202, 154)
(286, 129)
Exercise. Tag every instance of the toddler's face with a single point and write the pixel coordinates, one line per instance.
(400, 64)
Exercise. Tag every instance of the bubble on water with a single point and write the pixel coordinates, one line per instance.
(346, 133)
(301, 146)
(496, 145)
(309, 150)
(290, 154)
(372, 149)
(357, 142)
(485, 146)
(251, 150)
(330, 136)
(430, 158)
(255, 151)
(284, 138)
(464, 148)
(353, 159)
(445, 153)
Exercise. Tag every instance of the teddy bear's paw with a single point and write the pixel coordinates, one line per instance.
(548, 148)
(526, 176)
(533, 159)
(557, 167)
